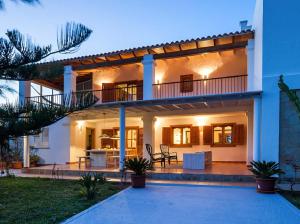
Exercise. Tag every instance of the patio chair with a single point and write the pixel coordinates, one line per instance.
(155, 157)
(167, 154)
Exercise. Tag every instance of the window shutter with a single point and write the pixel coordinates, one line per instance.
(139, 91)
(166, 136)
(108, 92)
(140, 142)
(186, 83)
(239, 134)
(195, 135)
(207, 135)
(107, 141)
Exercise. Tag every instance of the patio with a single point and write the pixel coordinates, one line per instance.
(190, 204)
(218, 171)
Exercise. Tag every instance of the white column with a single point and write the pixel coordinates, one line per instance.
(257, 129)
(250, 65)
(148, 133)
(249, 136)
(122, 137)
(149, 76)
(25, 91)
(69, 80)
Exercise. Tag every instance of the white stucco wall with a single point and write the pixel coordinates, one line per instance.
(277, 52)
(58, 150)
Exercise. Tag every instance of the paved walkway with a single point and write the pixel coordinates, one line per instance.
(190, 204)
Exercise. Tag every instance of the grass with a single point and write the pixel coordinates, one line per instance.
(37, 200)
(293, 197)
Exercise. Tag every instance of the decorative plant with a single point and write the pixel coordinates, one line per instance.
(90, 183)
(138, 165)
(265, 170)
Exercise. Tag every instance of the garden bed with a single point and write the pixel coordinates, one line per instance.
(293, 197)
(36, 200)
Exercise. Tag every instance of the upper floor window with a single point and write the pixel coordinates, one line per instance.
(186, 83)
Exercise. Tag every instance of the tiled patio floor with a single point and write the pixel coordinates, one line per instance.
(190, 205)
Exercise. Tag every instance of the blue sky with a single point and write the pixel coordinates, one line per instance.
(121, 24)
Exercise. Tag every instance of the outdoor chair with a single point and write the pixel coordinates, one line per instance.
(155, 157)
(167, 154)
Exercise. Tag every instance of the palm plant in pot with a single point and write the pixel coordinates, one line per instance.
(265, 175)
(139, 166)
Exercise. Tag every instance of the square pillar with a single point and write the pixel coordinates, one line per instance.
(149, 76)
(69, 80)
(122, 137)
(148, 133)
(257, 129)
(250, 66)
(249, 136)
(24, 91)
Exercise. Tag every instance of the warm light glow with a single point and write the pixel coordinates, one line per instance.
(80, 125)
(157, 122)
(201, 120)
(206, 71)
(159, 77)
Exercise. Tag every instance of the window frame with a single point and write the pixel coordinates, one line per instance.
(223, 144)
(181, 140)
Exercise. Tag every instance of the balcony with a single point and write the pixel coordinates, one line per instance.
(202, 87)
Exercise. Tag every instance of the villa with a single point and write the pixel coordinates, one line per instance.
(216, 94)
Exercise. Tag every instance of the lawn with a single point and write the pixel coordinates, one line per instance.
(293, 197)
(37, 200)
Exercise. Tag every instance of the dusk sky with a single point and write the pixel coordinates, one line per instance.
(120, 24)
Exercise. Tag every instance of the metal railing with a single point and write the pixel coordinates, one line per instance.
(201, 87)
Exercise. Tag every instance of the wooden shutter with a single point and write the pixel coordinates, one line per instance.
(166, 135)
(107, 141)
(186, 83)
(239, 134)
(207, 135)
(139, 89)
(195, 135)
(140, 143)
(108, 92)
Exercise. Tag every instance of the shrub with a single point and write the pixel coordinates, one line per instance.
(90, 182)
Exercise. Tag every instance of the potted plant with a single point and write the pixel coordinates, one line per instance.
(264, 173)
(16, 158)
(34, 160)
(139, 166)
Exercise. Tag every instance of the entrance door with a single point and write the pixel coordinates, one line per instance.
(90, 139)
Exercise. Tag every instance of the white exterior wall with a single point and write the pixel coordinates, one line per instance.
(58, 150)
(277, 46)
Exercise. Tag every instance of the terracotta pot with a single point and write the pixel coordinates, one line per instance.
(17, 165)
(138, 181)
(265, 185)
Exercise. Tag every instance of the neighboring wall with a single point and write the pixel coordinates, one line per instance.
(238, 153)
(289, 152)
(58, 150)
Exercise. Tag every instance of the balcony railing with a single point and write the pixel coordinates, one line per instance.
(202, 87)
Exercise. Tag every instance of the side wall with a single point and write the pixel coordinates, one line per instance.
(59, 143)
